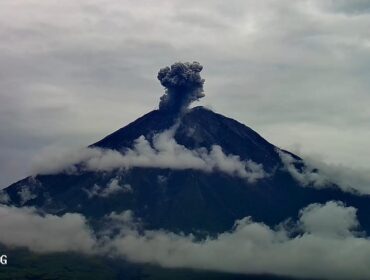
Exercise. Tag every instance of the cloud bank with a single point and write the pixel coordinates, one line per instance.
(26, 227)
(326, 242)
(164, 152)
(318, 174)
(323, 248)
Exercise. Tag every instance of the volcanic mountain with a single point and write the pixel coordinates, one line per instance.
(183, 188)
(183, 198)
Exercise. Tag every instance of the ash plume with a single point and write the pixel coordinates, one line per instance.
(183, 85)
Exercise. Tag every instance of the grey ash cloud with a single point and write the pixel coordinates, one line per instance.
(183, 85)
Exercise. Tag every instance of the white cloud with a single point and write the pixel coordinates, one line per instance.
(25, 194)
(324, 243)
(326, 249)
(165, 152)
(94, 191)
(113, 187)
(333, 219)
(347, 177)
(26, 227)
(316, 173)
(305, 175)
(125, 217)
(4, 197)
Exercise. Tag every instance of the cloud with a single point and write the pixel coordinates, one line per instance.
(325, 243)
(316, 173)
(164, 152)
(25, 194)
(26, 227)
(124, 218)
(348, 178)
(305, 175)
(113, 187)
(4, 197)
(332, 219)
(324, 248)
(94, 191)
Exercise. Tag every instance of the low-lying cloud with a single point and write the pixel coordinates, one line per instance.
(318, 174)
(26, 227)
(4, 197)
(164, 152)
(323, 249)
(325, 243)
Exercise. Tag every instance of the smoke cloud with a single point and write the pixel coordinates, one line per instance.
(325, 242)
(183, 85)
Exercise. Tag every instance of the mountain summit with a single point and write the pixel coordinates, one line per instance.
(180, 169)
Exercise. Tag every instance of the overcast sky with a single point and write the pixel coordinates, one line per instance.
(71, 72)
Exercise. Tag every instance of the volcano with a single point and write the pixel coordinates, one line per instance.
(181, 185)
(186, 199)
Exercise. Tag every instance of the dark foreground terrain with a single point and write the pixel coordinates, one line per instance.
(24, 265)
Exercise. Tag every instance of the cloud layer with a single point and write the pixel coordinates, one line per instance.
(326, 242)
(164, 152)
(316, 173)
(323, 249)
(26, 227)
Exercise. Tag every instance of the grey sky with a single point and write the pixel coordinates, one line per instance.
(73, 71)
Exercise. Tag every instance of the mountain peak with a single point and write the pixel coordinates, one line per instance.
(198, 127)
